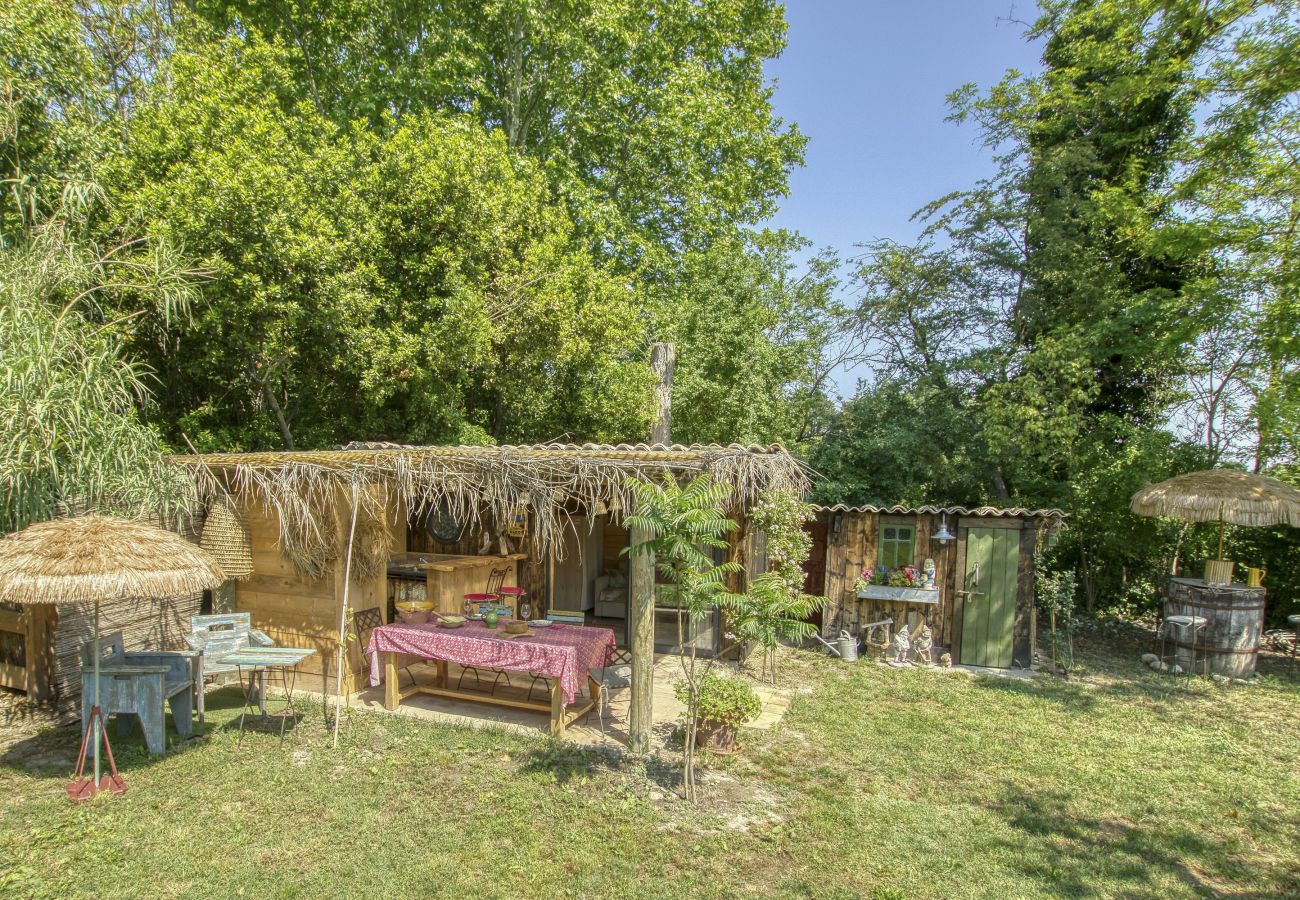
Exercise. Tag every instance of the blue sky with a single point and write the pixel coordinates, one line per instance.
(867, 82)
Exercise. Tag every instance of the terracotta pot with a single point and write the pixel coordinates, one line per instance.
(716, 738)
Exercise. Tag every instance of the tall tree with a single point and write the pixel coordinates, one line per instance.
(1054, 319)
(757, 338)
(654, 118)
(414, 282)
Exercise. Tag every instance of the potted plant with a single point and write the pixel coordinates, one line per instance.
(722, 706)
(906, 583)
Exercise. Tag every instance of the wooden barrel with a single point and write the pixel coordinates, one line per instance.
(1229, 644)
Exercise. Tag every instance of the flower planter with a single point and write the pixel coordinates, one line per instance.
(716, 738)
(899, 594)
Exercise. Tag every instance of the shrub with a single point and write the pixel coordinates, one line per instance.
(723, 701)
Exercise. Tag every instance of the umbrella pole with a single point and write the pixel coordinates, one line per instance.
(1220, 532)
(94, 708)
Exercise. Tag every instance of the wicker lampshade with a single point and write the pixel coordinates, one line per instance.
(226, 537)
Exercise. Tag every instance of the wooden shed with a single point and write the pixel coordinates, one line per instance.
(437, 517)
(981, 605)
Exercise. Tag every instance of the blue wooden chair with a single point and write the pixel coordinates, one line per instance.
(139, 683)
(217, 636)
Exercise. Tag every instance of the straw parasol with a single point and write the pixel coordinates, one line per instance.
(98, 558)
(1222, 495)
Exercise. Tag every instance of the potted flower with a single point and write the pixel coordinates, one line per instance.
(724, 705)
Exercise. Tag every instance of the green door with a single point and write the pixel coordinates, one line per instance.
(989, 606)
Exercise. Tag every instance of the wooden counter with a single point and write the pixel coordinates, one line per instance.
(449, 578)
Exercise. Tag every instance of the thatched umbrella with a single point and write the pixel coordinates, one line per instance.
(100, 558)
(1222, 495)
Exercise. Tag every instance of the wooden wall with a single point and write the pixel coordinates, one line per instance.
(295, 611)
(851, 546)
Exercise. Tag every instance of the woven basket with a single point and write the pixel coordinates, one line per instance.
(226, 537)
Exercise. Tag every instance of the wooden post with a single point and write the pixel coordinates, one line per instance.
(663, 360)
(641, 625)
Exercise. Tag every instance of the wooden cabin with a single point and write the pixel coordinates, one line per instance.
(981, 605)
(431, 522)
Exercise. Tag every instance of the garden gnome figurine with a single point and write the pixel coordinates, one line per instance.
(923, 643)
(902, 647)
(928, 569)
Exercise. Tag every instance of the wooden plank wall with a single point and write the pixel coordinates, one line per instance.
(1023, 635)
(853, 547)
(295, 611)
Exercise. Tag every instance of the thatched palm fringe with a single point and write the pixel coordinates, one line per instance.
(1238, 498)
(479, 486)
(93, 556)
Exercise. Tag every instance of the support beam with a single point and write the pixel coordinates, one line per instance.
(641, 630)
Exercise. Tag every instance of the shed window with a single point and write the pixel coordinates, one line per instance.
(896, 544)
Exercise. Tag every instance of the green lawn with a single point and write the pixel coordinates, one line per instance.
(879, 783)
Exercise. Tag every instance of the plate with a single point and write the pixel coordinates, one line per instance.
(540, 623)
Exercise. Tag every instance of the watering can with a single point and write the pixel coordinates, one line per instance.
(845, 647)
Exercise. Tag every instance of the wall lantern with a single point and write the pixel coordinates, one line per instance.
(943, 535)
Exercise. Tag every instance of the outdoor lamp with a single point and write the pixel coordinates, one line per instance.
(943, 535)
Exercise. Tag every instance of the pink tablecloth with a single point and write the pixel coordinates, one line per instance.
(565, 652)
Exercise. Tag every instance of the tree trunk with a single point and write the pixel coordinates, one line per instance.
(663, 361)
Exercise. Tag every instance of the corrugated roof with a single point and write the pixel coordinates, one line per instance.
(1016, 512)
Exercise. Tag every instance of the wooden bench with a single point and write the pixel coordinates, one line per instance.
(215, 637)
(139, 684)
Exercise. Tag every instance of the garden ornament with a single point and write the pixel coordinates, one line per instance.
(902, 647)
(923, 643)
(928, 570)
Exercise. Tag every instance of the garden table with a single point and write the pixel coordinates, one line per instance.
(564, 655)
(259, 661)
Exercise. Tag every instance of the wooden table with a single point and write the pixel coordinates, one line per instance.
(563, 655)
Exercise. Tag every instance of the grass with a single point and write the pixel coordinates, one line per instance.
(880, 783)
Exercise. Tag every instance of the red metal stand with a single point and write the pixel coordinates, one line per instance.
(82, 788)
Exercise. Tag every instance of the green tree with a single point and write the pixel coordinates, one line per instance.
(1059, 326)
(413, 282)
(686, 525)
(756, 340)
(774, 607)
(73, 440)
(653, 119)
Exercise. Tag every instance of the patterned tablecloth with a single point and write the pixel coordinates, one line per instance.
(565, 652)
